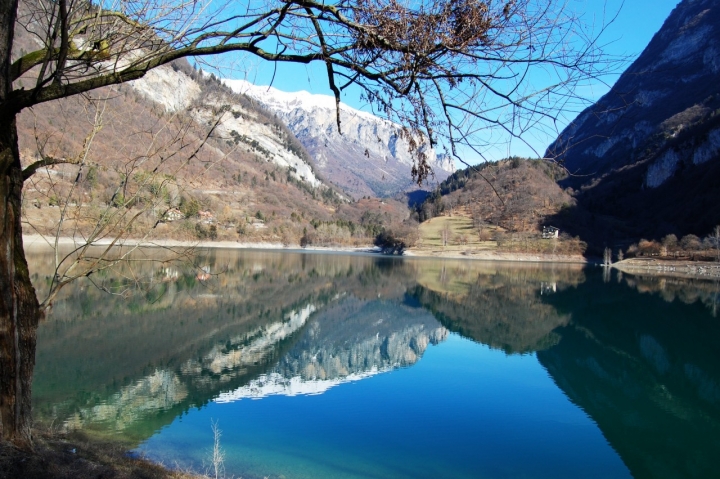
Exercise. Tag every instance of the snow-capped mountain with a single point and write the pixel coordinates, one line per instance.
(344, 343)
(368, 157)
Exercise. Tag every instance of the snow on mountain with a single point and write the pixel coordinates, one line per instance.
(275, 384)
(163, 389)
(329, 353)
(368, 158)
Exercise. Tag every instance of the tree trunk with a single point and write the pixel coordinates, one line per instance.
(19, 309)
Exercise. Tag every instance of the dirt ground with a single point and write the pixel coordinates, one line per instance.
(77, 456)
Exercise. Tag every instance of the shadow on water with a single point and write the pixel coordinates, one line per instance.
(639, 355)
(502, 307)
(646, 368)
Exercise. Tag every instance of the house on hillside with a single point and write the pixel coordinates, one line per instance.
(550, 232)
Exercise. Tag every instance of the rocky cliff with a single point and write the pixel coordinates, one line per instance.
(670, 88)
(367, 157)
(642, 153)
(348, 341)
(176, 90)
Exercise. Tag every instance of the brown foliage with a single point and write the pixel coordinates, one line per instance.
(515, 194)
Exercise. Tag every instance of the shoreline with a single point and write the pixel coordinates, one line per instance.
(486, 255)
(669, 268)
(35, 240)
(78, 454)
(655, 267)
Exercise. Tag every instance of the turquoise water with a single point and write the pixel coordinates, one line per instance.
(317, 366)
(462, 411)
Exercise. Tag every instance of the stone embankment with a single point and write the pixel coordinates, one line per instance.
(685, 269)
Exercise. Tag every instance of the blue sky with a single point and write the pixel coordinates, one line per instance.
(637, 21)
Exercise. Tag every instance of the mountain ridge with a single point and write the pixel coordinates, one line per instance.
(671, 85)
(369, 156)
(643, 158)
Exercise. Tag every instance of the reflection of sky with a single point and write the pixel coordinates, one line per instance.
(462, 411)
(636, 23)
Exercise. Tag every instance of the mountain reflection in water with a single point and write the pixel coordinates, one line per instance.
(133, 364)
(639, 355)
(646, 368)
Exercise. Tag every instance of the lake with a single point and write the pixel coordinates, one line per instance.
(357, 366)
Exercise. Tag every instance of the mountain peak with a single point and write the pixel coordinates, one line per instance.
(369, 156)
(282, 101)
(677, 74)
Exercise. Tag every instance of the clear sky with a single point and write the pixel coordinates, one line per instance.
(636, 23)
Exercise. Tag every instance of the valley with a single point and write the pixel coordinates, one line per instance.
(461, 260)
(224, 160)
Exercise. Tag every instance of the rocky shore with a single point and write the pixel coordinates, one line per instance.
(680, 269)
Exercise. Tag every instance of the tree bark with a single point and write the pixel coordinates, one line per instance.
(19, 309)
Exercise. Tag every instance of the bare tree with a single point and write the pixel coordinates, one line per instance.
(445, 233)
(448, 71)
(607, 257)
(145, 187)
(669, 243)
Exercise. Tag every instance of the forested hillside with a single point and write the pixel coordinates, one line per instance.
(178, 155)
(516, 194)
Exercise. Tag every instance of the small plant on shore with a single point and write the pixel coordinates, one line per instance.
(216, 469)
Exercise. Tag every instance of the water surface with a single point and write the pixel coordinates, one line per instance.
(356, 366)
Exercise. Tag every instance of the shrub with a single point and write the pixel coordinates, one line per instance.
(649, 248)
(203, 232)
(189, 206)
(690, 243)
(389, 243)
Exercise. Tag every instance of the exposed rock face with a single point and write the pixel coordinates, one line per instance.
(671, 88)
(370, 157)
(646, 157)
(176, 91)
(172, 89)
(368, 338)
